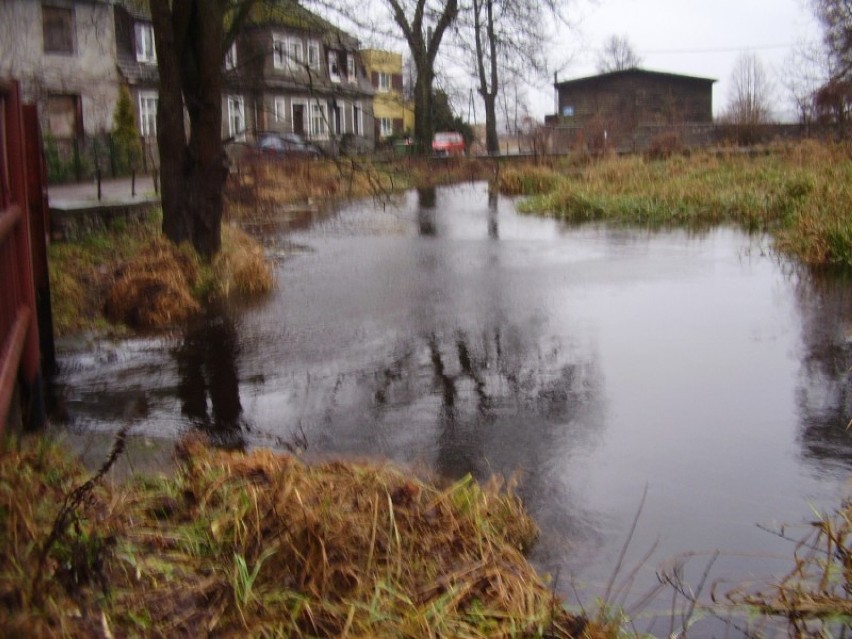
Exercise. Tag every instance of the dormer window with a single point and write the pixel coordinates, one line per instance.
(145, 51)
(287, 53)
(350, 67)
(231, 57)
(333, 66)
(384, 82)
(314, 55)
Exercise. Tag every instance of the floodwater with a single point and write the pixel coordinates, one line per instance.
(446, 332)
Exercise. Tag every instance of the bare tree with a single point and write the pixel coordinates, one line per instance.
(617, 54)
(749, 100)
(191, 39)
(833, 99)
(505, 40)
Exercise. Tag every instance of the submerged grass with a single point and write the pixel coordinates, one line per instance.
(801, 193)
(262, 545)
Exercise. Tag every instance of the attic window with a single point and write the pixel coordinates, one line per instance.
(145, 51)
(333, 66)
(58, 29)
(350, 67)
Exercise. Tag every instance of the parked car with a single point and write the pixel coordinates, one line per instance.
(448, 143)
(285, 144)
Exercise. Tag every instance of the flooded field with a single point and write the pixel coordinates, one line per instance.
(446, 332)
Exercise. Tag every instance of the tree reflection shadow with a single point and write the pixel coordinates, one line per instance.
(825, 392)
(426, 202)
(208, 384)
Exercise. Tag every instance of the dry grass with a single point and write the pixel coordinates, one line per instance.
(800, 193)
(819, 587)
(153, 289)
(241, 267)
(262, 545)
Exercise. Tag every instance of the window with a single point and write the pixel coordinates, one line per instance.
(384, 81)
(63, 116)
(333, 66)
(350, 67)
(385, 127)
(279, 52)
(58, 29)
(357, 119)
(148, 113)
(236, 117)
(280, 109)
(313, 54)
(287, 53)
(231, 57)
(295, 55)
(319, 120)
(145, 51)
(339, 118)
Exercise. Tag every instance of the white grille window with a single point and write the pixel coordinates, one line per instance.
(314, 55)
(385, 127)
(148, 113)
(350, 67)
(231, 57)
(145, 51)
(280, 109)
(333, 66)
(384, 81)
(357, 119)
(319, 120)
(236, 117)
(279, 52)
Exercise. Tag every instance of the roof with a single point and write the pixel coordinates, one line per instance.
(292, 15)
(635, 71)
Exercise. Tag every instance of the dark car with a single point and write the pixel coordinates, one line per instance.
(285, 144)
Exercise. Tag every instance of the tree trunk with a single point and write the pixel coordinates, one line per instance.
(423, 110)
(492, 142)
(189, 39)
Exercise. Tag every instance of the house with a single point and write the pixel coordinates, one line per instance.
(394, 115)
(63, 53)
(626, 109)
(292, 71)
(289, 70)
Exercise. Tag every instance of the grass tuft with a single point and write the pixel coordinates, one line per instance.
(260, 544)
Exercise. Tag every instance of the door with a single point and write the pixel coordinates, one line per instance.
(299, 119)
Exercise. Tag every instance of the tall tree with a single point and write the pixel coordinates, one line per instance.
(508, 39)
(415, 19)
(749, 100)
(191, 38)
(617, 54)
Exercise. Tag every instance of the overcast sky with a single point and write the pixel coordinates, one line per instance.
(692, 37)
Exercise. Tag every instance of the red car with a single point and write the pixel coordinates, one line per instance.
(448, 143)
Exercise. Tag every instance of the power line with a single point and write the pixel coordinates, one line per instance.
(760, 47)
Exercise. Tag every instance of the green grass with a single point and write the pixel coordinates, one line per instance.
(801, 194)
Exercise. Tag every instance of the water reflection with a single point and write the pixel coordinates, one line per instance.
(493, 204)
(825, 390)
(208, 380)
(426, 200)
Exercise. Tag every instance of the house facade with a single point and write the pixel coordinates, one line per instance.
(393, 115)
(63, 52)
(623, 108)
(288, 71)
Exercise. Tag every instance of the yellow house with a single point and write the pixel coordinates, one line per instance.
(393, 114)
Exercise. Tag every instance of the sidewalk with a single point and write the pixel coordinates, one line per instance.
(117, 191)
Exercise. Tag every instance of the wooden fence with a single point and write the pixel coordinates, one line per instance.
(22, 245)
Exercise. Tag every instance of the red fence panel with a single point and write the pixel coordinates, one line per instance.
(19, 341)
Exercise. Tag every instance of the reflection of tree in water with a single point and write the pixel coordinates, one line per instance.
(481, 383)
(426, 201)
(825, 393)
(208, 385)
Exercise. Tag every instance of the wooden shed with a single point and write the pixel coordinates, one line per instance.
(618, 105)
